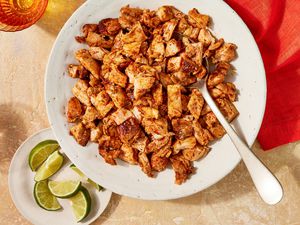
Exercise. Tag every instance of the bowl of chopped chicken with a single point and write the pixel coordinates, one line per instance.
(119, 101)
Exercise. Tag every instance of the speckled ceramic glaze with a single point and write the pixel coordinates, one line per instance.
(129, 180)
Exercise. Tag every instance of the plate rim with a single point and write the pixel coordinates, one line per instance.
(10, 178)
(259, 121)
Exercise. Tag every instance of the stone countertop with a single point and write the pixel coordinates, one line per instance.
(233, 200)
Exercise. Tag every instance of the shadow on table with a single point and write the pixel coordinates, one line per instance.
(113, 204)
(57, 13)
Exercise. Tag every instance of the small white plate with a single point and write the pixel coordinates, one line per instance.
(129, 180)
(21, 183)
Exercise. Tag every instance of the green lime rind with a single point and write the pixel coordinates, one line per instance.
(41, 152)
(64, 189)
(53, 163)
(81, 204)
(44, 198)
(81, 174)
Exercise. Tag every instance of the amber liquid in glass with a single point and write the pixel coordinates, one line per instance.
(19, 14)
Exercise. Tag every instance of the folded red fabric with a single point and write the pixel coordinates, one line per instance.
(275, 25)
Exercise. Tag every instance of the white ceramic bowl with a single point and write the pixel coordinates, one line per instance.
(130, 180)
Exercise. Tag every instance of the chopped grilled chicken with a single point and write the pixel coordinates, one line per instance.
(117, 95)
(213, 125)
(196, 153)
(184, 102)
(158, 94)
(78, 71)
(157, 144)
(94, 82)
(145, 164)
(218, 75)
(148, 112)
(196, 103)
(136, 34)
(188, 65)
(98, 52)
(74, 110)
(99, 40)
(227, 108)
(129, 130)
(202, 135)
(179, 145)
(115, 58)
(96, 133)
(80, 92)
(150, 19)
(195, 52)
(205, 109)
(129, 16)
(213, 47)
(142, 84)
(197, 19)
(129, 154)
(226, 53)
(90, 115)
(110, 156)
(109, 26)
(182, 167)
(192, 33)
(159, 163)
(165, 13)
(132, 49)
(174, 101)
(173, 47)
(156, 50)
(165, 79)
(168, 29)
(227, 89)
(182, 127)
(80, 133)
(206, 38)
(174, 64)
(88, 28)
(116, 76)
(85, 58)
(182, 78)
(140, 142)
(155, 126)
(109, 142)
(121, 115)
(102, 103)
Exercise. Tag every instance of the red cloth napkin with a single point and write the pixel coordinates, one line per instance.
(275, 25)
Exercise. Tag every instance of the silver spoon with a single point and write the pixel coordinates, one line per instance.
(265, 182)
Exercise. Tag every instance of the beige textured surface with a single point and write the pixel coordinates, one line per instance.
(233, 200)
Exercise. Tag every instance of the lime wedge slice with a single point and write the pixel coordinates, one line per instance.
(94, 184)
(50, 166)
(44, 198)
(64, 189)
(41, 152)
(81, 204)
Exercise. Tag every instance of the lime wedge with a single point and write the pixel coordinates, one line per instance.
(94, 184)
(64, 189)
(50, 166)
(41, 152)
(44, 198)
(81, 204)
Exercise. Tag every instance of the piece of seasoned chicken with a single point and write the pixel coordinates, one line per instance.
(78, 71)
(182, 78)
(158, 163)
(195, 52)
(165, 79)
(85, 58)
(110, 156)
(148, 112)
(150, 19)
(90, 115)
(202, 135)
(205, 37)
(182, 167)
(218, 75)
(196, 153)
(121, 115)
(80, 92)
(228, 89)
(165, 13)
(226, 53)
(99, 40)
(129, 16)
(116, 76)
(227, 108)
(155, 126)
(174, 101)
(157, 144)
(109, 26)
(129, 154)
(136, 34)
(188, 65)
(168, 29)
(109, 142)
(213, 125)
(129, 130)
(157, 92)
(182, 127)
(179, 145)
(74, 110)
(145, 164)
(156, 50)
(140, 142)
(174, 64)
(197, 19)
(98, 52)
(117, 95)
(103, 103)
(196, 103)
(173, 47)
(80, 133)
(96, 133)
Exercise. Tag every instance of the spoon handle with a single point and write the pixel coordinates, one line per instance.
(265, 182)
